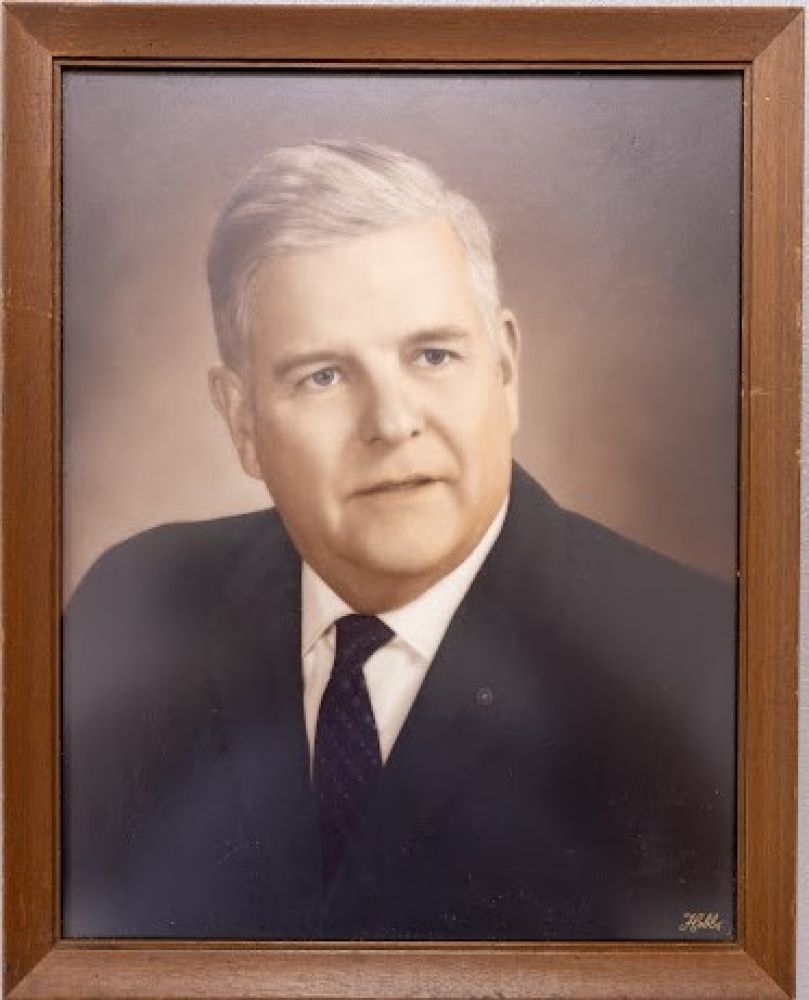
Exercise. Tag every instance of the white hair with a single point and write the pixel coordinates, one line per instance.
(320, 194)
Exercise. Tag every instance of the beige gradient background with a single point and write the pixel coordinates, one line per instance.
(614, 200)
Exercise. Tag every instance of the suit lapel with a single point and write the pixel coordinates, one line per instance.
(455, 720)
(257, 672)
(473, 699)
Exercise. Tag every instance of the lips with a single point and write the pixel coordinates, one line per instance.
(408, 484)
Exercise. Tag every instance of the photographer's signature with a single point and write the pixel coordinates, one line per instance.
(694, 922)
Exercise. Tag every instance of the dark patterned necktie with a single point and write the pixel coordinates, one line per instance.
(347, 758)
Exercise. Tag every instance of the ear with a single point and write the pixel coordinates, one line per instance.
(231, 397)
(509, 341)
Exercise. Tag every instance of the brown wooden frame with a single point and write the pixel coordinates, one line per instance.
(767, 45)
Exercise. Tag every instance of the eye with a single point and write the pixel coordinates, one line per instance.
(323, 378)
(434, 357)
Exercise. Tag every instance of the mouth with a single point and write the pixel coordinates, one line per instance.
(410, 484)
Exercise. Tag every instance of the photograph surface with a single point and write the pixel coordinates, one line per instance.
(400, 440)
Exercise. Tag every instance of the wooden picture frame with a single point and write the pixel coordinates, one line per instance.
(766, 45)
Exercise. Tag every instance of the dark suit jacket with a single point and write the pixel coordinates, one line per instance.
(566, 772)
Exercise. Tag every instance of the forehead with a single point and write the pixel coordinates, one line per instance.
(375, 286)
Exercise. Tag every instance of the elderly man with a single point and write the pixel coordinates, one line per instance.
(417, 699)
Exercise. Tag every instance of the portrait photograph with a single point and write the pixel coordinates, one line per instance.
(400, 504)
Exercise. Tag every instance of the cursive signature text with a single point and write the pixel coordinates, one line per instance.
(693, 922)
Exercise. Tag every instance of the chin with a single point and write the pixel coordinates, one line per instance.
(406, 556)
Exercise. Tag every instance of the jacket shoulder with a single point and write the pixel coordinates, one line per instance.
(182, 560)
(628, 618)
(148, 597)
(590, 570)
(618, 581)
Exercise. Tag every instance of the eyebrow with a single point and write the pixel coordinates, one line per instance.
(286, 366)
(430, 334)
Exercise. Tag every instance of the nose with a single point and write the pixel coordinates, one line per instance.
(391, 413)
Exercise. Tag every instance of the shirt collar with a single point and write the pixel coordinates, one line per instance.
(422, 623)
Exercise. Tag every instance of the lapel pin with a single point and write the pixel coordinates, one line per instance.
(484, 697)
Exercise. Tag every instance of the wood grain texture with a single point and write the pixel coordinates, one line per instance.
(769, 43)
(30, 609)
(464, 974)
(744, 465)
(135, 31)
(772, 485)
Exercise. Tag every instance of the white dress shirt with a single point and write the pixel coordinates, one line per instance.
(395, 672)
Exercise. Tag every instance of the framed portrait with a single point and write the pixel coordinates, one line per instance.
(401, 500)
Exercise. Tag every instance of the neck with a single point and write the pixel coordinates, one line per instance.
(375, 594)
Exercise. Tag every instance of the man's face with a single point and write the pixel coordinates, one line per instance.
(376, 409)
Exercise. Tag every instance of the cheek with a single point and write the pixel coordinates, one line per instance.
(299, 452)
(475, 414)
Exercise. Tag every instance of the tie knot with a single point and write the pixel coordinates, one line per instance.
(358, 638)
